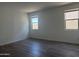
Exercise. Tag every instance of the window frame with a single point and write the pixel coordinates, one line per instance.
(32, 23)
(71, 10)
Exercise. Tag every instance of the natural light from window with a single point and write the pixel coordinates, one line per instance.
(71, 19)
(34, 23)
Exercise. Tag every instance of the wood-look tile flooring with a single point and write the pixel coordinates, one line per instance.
(39, 48)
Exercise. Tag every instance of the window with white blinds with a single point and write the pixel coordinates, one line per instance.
(34, 20)
(71, 19)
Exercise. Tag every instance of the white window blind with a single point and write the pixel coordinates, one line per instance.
(71, 19)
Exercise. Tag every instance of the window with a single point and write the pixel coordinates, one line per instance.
(34, 20)
(71, 19)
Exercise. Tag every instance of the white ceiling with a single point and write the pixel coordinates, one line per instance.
(41, 5)
(34, 6)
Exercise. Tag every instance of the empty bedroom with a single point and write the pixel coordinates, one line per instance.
(39, 29)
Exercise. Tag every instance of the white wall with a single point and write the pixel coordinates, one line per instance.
(51, 25)
(13, 24)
